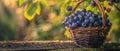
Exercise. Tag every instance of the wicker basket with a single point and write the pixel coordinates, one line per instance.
(90, 37)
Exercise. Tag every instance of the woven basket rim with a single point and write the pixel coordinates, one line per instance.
(90, 28)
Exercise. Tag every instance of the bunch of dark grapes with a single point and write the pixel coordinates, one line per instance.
(111, 2)
(84, 18)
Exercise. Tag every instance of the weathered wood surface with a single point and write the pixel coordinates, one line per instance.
(45, 45)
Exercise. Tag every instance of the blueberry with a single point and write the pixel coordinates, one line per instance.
(69, 8)
(93, 3)
(99, 17)
(117, 1)
(83, 13)
(104, 8)
(86, 13)
(106, 15)
(66, 19)
(86, 21)
(91, 19)
(100, 22)
(90, 24)
(80, 16)
(96, 23)
(90, 13)
(107, 20)
(66, 23)
(72, 16)
(109, 24)
(84, 24)
(86, 17)
(70, 25)
(76, 18)
(77, 12)
(70, 20)
(94, 15)
(110, 3)
(63, 23)
(74, 25)
(78, 23)
(83, 10)
(112, 0)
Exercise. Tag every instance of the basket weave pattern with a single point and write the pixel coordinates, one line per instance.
(91, 37)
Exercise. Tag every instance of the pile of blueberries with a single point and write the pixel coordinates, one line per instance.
(84, 18)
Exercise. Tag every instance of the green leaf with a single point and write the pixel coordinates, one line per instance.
(32, 10)
(67, 33)
(21, 2)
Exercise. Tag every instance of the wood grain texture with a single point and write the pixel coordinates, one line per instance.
(45, 45)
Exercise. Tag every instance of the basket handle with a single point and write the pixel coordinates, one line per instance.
(73, 11)
(99, 5)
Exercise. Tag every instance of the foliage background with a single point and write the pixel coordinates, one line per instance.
(47, 17)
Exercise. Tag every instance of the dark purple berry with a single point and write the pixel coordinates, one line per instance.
(90, 24)
(112, 0)
(110, 3)
(69, 8)
(108, 9)
(90, 12)
(100, 22)
(86, 17)
(109, 24)
(83, 13)
(66, 23)
(93, 15)
(84, 24)
(86, 21)
(104, 8)
(96, 23)
(87, 13)
(83, 10)
(75, 18)
(70, 26)
(80, 18)
(78, 23)
(91, 19)
(93, 3)
(74, 25)
(117, 1)
(77, 12)
(107, 20)
(99, 17)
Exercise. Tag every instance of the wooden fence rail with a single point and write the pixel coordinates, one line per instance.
(46, 45)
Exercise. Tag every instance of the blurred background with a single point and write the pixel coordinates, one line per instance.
(42, 20)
